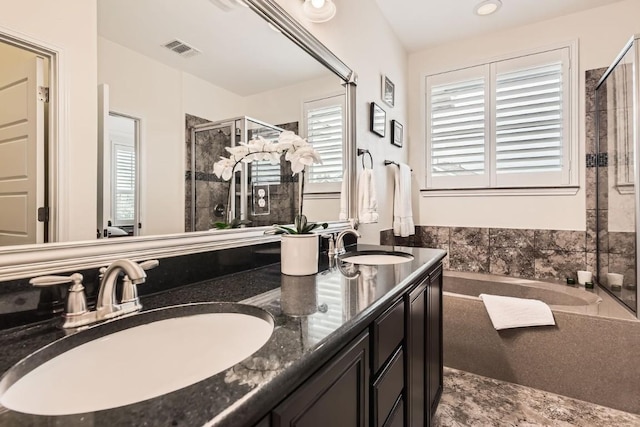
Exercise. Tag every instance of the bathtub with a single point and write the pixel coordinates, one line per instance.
(591, 354)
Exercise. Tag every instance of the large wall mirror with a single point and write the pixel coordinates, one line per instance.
(180, 81)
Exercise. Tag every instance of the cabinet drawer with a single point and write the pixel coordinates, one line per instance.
(388, 333)
(388, 387)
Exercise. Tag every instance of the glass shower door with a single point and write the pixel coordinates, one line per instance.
(617, 182)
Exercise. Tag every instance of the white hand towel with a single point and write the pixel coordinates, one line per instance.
(509, 312)
(367, 198)
(343, 216)
(402, 215)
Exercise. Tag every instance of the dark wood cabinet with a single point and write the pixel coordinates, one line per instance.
(336, 396)
(434, 342)
(424, 349)
(416, 370)
(390, 376)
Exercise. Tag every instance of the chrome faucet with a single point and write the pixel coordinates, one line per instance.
(339, 240)
(76, 312)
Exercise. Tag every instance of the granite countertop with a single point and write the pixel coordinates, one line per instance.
(310, 327)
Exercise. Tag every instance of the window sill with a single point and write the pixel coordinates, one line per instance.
(321, 195)
(471, 192)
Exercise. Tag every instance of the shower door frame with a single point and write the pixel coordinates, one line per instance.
(244, 180)
(632, 44)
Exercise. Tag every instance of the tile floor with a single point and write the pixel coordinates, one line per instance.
(473, 400)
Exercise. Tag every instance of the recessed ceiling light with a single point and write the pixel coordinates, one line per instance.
(319, 10)
(487, 7)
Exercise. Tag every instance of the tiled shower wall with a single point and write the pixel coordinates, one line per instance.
(211, 190)
(529, 253)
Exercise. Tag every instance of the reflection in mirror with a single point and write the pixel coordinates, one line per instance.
(190, 62)
(201, 79)
(23, 112)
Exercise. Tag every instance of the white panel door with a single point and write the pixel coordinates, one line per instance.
(104, 162)
(21, 154)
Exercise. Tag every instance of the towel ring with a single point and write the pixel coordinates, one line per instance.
(362, 152)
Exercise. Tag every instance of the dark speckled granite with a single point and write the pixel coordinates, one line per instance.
(246, 392)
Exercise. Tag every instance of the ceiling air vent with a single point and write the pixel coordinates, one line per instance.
(181, 48)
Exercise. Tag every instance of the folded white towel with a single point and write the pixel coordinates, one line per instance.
(367, 198)
(402, 215)
(344, 203)
(509, 312)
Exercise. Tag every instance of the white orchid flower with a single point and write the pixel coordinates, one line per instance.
(288, 141)
(238, 152)
(303, 156)
(223, 168)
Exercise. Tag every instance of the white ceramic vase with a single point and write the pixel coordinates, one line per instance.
(298, 295)
(299, 254)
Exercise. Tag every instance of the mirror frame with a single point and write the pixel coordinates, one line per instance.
(17, 262)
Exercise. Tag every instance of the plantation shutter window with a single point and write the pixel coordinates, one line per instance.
(123, 193)
(324, 127)
(263, 171)
(532, 120)
(457, 128)
(503, 124)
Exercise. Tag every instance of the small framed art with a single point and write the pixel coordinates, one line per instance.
(388, 91)
(396, 133)
(378, 119)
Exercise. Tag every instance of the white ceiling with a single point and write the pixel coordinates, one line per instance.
(423, 23)
(239, 51)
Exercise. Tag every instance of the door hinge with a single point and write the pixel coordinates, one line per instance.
(43, 93)
(43, 214)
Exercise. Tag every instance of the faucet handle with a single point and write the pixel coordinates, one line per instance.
(54, 280)
(332, 246)
(149, 264)
(130, 289)
(76, 299)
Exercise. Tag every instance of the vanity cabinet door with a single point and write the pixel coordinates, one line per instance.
(434, 341)
(338, 395)
(416, 302)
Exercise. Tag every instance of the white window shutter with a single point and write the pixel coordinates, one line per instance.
(457, 128)
(325, 130)
(124, 173)
(502, 124)
(263, 171)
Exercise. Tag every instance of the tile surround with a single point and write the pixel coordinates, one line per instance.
(548, 254)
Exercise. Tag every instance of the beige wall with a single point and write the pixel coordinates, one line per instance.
(152, 92)
(68, 26)
(602, 32)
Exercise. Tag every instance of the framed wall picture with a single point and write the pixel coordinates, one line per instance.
(378, 119)
(396, 133)
(388, 91)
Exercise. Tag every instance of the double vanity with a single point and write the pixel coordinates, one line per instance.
(358, 344)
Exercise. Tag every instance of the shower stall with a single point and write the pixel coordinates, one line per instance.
(617, 112)
(259, 193)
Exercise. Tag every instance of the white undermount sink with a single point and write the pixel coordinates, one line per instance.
(136, 363)
(376, 257)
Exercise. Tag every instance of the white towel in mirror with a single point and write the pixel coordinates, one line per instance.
(344, 203)
(367, 198)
